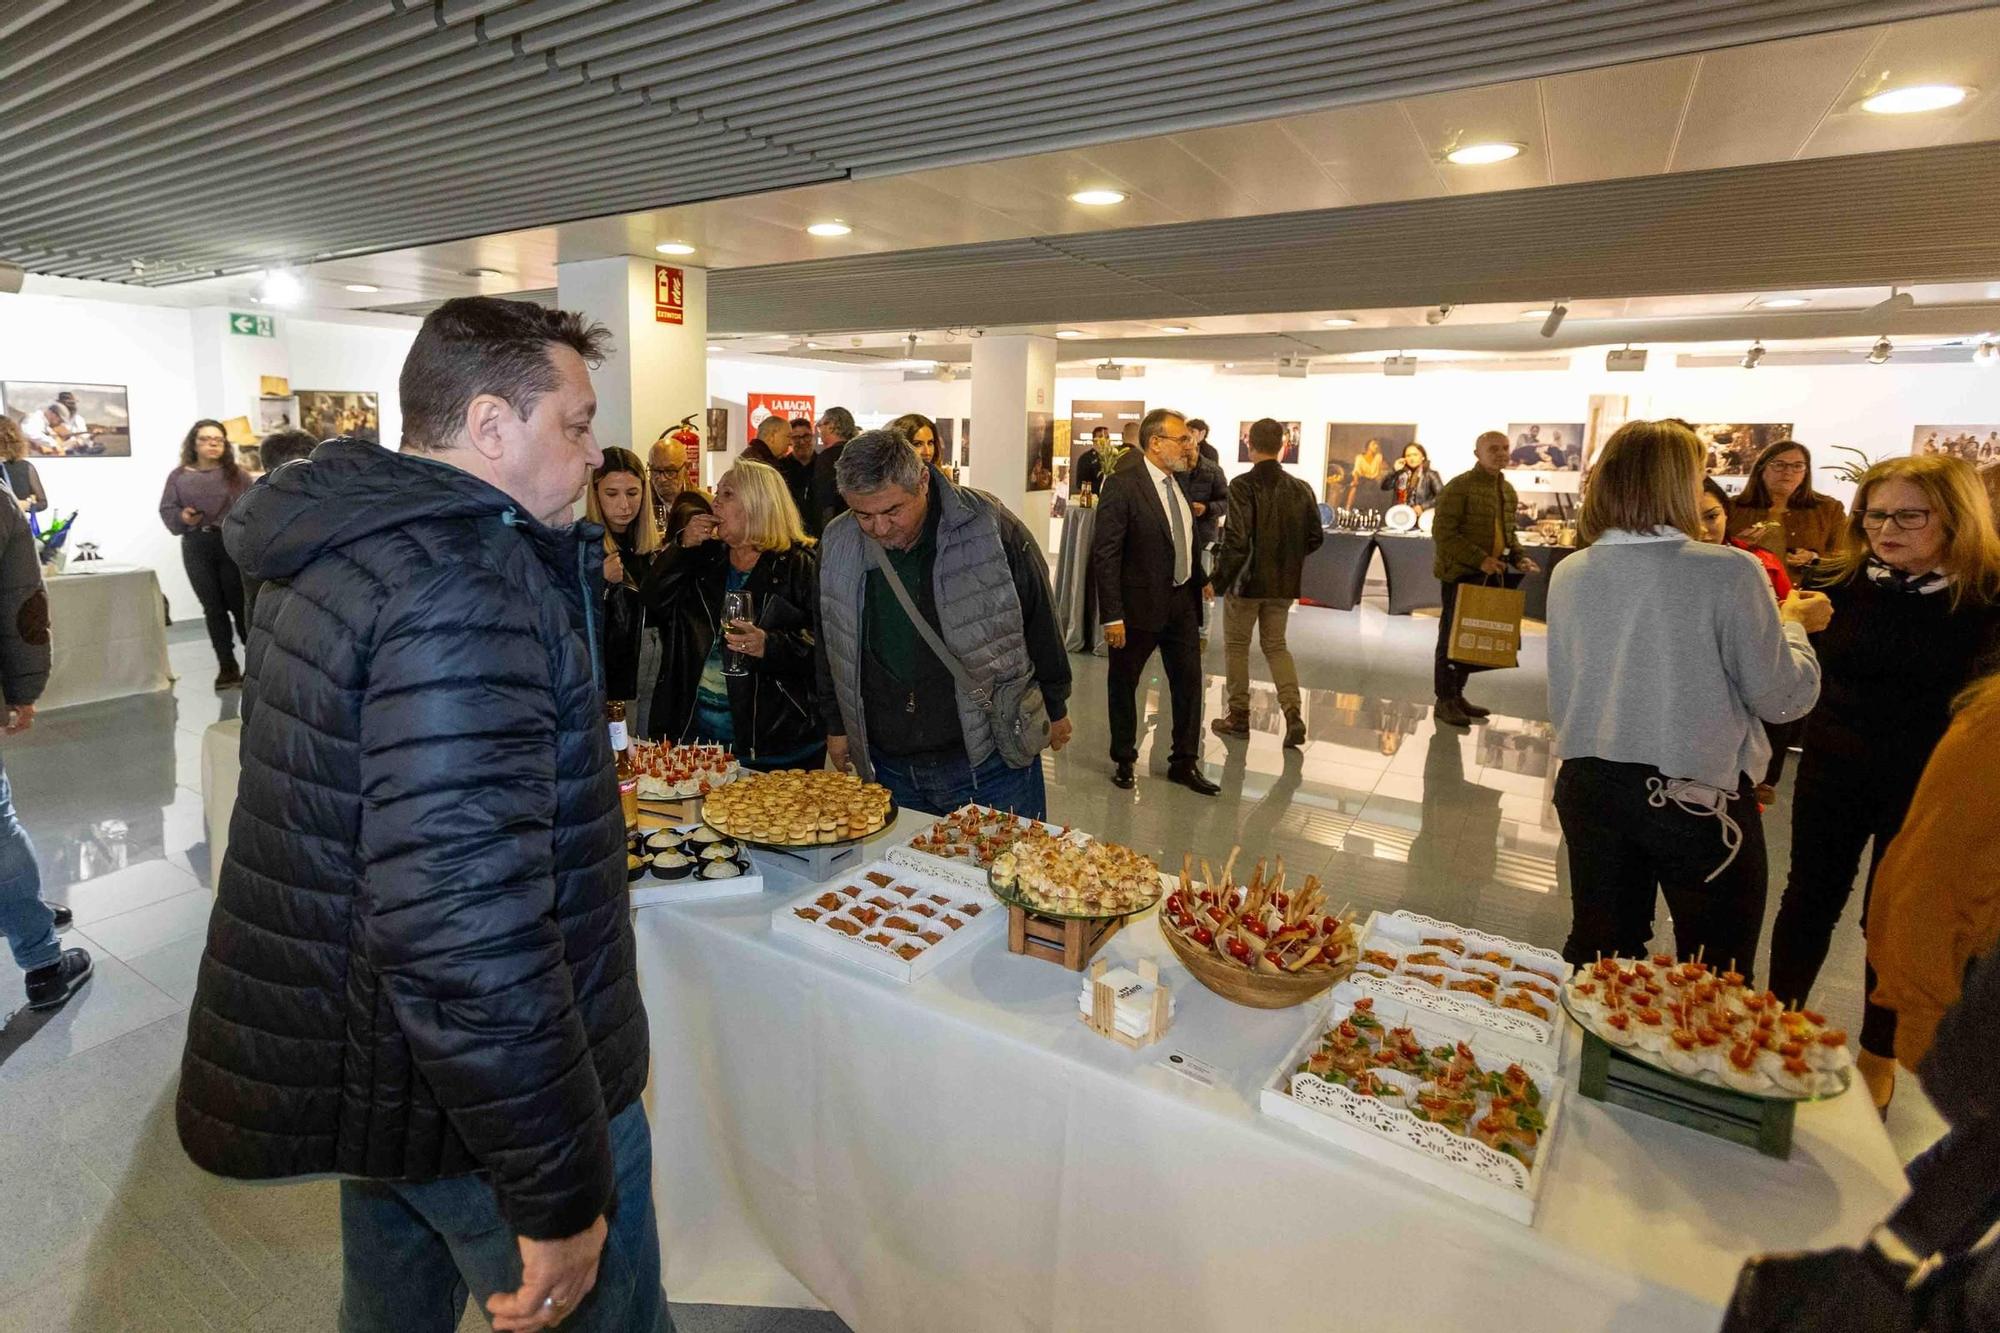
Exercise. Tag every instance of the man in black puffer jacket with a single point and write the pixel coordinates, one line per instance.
(419, 973)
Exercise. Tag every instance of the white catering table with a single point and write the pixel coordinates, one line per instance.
(109, 635)
(962, 1153)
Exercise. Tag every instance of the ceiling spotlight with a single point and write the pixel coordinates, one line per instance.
(1542, 313)
(1880, 352)
(1988, 355)
(1069, 333)
(1438, 314)
(1783, 302)
(1753, 356)
(674, 248)
(1483, 154)
(363, 287)
(814, 346)
(1917, 97)
(479, 273)
(828, 229)
(1896, 303)
(1555, 320)
(1173, 328)
(1097, 198)
(280, 287)
(1341, 322)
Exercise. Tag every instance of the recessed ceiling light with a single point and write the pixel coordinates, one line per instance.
(1917, 97)
(1173, 328)
(714, 348)
(479, 272)
(1784, 302)
(1543, 313)
(828, 229)
(363, 287)
(1483, 154)
(1069, 333)
(1341, 322)
(813, 346)
(674, 248)
(1097, 198)
(280, 287)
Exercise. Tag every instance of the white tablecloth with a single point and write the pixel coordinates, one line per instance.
(110, 635)
(962, 1153)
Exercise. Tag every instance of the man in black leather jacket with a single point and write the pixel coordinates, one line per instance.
(419, 972)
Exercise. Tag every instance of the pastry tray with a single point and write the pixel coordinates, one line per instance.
(799, 848)
(1523, 1035)
(959, 869)
(651, 890)
(1457, 1163)
(974, 908)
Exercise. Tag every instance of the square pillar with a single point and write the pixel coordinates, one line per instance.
(657, 372)
(1013, 395)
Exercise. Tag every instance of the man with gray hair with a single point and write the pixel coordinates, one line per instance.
(823, 503)
(942, 673)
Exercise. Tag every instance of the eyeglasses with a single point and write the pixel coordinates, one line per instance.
(1785, 467)
(1909, 520)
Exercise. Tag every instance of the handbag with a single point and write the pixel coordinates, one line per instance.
(1015, 711)
(1486, 625)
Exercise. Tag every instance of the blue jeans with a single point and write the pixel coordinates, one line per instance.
(939, 785)
(412, 1252)
(26, 921)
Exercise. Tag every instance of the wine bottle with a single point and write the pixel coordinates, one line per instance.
(621, 752)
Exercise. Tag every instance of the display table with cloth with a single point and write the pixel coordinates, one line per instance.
(962, 1153)
(221, 770)
(1407, 563)
(1076, 597)
(108, 635)
(1535, 587)
(1335, 574)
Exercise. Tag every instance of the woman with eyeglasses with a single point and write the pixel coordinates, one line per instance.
(1779, 498)
(1915, 620)
(198, 496)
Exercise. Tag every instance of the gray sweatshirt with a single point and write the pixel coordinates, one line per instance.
(1666, 651)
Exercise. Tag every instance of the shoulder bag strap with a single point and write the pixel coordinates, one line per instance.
(880, 559)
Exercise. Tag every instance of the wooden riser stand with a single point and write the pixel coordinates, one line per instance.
(1062, 940)
(1610, 1075)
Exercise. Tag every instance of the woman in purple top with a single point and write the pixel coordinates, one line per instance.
(198, 496)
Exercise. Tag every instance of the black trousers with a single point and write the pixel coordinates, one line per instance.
(1621, 847)
(1448, 677)
(1783, 736)
(1179, 642)
(218, 586)
(1839, 804)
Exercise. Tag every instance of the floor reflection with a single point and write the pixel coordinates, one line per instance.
(95, 784)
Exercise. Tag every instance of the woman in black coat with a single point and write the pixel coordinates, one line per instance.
(1414, 482)
(753, 542)
(621, 501)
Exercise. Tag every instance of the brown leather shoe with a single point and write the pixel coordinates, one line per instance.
(1233, 724)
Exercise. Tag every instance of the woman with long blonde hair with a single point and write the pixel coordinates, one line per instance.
(754, 542)
(1916, 596)
(620, 499)
(1665, 655)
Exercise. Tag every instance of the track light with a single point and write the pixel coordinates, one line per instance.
(1753, 356)
(1988, 355)
(1438, 314)
(1898, 302)
(1880, 352)
(1555, 320)
(1627, 358)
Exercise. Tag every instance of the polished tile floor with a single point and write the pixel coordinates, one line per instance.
(109, 1228)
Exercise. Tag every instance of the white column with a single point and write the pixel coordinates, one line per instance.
(657, 372)
(1012, 377)
(229, 366)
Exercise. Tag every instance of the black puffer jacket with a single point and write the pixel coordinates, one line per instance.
(773, 706)
(420, 961)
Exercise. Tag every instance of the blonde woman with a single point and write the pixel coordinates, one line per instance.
(1914, 590)
(754, 543)
(22, 479)
(620, 498)
(1665, 656)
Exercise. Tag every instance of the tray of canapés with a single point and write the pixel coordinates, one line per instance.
(1710, 1027)
(1258, 943)
(799, 808)
(1510, 988)
(670, 772)
(1424, 1094)
(890, 918)
(963, 845)
(1058, 873)
(687, 863)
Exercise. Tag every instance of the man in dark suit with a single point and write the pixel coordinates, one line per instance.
(1150, 587)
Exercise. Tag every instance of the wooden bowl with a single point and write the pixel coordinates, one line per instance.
(1259, 990)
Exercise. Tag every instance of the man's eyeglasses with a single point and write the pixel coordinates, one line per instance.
(1909, 520)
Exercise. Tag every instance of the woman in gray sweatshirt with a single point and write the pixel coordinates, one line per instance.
(1666, 656)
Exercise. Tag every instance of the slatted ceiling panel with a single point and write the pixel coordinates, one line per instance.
(1584, 144)
(399, 123)
(1786, 225)
(1748, 107)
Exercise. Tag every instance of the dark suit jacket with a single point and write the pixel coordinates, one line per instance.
(822, 493)
(1132, 556)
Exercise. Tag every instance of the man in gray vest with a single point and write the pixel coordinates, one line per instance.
(952, 709)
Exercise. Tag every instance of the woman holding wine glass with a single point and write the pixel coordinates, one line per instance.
(736, 595)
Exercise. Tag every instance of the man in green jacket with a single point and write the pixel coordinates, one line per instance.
(1474, 532)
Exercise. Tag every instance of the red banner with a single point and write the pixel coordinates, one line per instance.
(787, 405)
(669, 294)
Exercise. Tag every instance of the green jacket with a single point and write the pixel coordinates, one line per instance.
(1466, 513)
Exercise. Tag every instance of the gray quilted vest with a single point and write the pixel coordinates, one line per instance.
(976, 600)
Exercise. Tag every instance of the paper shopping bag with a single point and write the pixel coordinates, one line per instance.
(1486, 625)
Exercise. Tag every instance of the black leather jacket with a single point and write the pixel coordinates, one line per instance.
(1273, 526)
(1423, 487)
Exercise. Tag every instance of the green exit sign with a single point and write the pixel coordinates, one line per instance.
(251, 326)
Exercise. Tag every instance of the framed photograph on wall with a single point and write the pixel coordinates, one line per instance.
(68, 419)
(1041, 451)
(1734, 445)
(1291, 454)
(1545, 446)
(1977, 445)
(327, 414)
(1358, 455)
(717, 441)
(276, 414)
(944, 440)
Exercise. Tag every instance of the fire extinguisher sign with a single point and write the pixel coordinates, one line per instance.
(669, 295)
